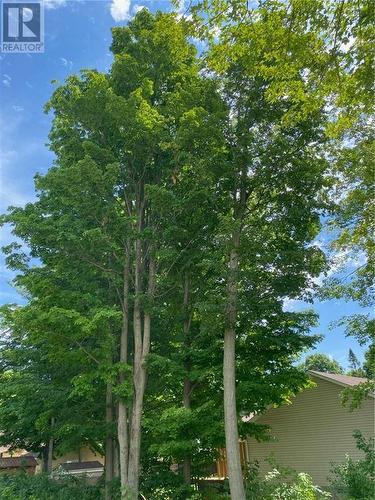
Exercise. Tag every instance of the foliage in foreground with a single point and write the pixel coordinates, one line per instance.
(355, 479)
(281, 484)
(41, 487)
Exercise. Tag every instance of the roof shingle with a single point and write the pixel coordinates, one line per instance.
(23, 461)
(339, 379)
(70, 466)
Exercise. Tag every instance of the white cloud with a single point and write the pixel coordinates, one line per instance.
(342, 265)
(120, 10)
(6, 80)
(215, 32)
(137, 8)
(181, 6)
(66, 62)
(290, 305)
(17, 109)
(54, 4)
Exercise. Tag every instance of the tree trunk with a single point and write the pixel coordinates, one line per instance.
(187, 458)
(135, 432)
(50, 456)
(187, 381)
(108, 442)
(47, 456)
(141, 351)
(116, 458)
(50, 451)
(135, 426)
(122, 420)
(237, 490)
(45, 459)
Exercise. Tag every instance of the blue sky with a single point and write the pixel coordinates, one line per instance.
(77, 35)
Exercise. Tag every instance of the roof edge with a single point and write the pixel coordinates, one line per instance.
(327, 378)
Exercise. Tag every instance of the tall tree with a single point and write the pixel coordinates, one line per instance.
(278, 62)
(352, 222)
(113, 137)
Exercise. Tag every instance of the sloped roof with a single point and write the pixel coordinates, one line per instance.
(345, 380)
(23, 461)
(92, 464)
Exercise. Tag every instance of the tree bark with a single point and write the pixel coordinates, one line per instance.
(116, 458)
(122, 421)
(45, 459)
(135, 427)
(237, 490)
(49, 454)
(187, 381)
(108, 442)
(141, 351)
(187, 458)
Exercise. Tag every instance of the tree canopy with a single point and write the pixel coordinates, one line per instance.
(321, 363)
(181, 212)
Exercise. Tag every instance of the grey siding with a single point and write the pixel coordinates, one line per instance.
(313, 431)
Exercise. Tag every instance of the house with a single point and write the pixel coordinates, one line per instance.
(82, 462)
(315, 430)
(84, 454)
(92, 469)
(16, 460)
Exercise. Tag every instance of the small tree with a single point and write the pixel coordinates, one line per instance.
(356, 369)
(354, 479)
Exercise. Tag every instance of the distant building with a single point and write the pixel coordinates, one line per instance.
(82, 462)
(16, 460)
(91, 469)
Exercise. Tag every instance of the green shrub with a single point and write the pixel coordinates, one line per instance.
(158, 482)
(281, 484)
(355, 479)
(22, 486)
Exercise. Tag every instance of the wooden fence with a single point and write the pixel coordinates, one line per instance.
(221, 464)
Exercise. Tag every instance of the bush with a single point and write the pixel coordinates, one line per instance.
(22, 486)
(281, 484)
(158, 482)
(355, 479)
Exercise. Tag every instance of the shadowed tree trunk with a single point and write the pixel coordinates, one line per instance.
(122, 421)
(187, 381)
(47, 455)
(50, 451)
(45, 459)
(108, 442)
(116, 458)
